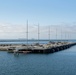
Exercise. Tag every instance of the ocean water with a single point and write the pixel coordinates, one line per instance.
(30, 41)
(59, 63)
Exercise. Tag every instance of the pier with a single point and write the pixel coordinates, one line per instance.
(37, 48)
(51, 47)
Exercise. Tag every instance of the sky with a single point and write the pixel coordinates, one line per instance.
(59, 14)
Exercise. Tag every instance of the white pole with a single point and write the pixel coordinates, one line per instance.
(49, 33)
(56, 33)
(65, 36)
(38, 33)
(61, 34)
(27, 33)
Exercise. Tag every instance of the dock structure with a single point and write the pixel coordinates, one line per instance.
(41, 48)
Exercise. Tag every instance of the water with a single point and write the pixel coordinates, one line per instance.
(30, 41)
(59, 63)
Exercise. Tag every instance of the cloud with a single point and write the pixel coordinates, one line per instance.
(11, 31)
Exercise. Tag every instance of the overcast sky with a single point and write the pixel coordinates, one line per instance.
(60, 15)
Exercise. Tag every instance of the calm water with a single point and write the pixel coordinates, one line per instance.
(30, 41)
(59, 63)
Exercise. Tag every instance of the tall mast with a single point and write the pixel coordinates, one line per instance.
(27, 33)
(61, 34)
(49, 34)
(38, 33)
(65, 35)
(56, 33)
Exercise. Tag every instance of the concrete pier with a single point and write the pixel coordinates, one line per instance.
(39, 48)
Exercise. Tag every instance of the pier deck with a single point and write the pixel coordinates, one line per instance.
(40, 48)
